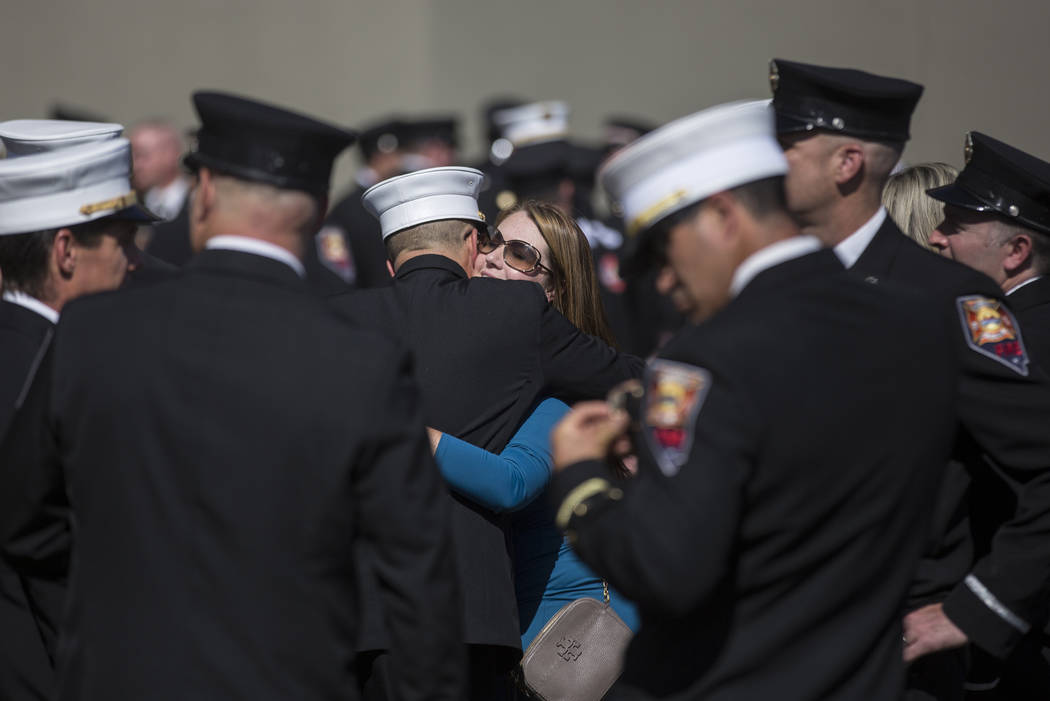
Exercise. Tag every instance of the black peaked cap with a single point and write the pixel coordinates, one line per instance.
(443, 128)
(842, 100)
(255, 141)
(1002, 179)
(385, 136)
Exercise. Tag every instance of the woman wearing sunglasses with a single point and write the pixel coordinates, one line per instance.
(538, 243)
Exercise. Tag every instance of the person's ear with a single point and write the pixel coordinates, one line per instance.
(847, 162)
(1018, 253)
(204, 194)
(472, 237)
(722, 212)
(64, 253)
(390, 267)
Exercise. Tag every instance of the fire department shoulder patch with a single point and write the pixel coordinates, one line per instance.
(334, 253)
(674, 393)
(990, 329)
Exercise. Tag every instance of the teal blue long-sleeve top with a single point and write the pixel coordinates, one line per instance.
(547, 573)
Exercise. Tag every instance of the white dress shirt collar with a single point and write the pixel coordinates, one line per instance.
(32, 304)
(850, 249)
(246, 244)
(774, 254)
(1029, 281)
(166, 202)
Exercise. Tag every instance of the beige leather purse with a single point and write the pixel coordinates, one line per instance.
(578, 655)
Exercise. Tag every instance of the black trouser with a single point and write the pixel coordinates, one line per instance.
(938, 677)
(488, 676)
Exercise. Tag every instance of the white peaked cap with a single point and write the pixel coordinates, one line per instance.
(427, 195)
(692, 158)
(534, 122)
(23, 137)
(68, 186)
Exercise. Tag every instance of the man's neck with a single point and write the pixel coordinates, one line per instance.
(289, 241)
(167, 183)
(1012, 282)
(31, 302)
(406, 256)
(841, 221)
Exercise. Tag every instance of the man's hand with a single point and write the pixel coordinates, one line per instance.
(928, 630)
(587, 433)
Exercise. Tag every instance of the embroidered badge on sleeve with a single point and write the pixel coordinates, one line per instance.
(334, 254)
(990, 329)
(674, 393)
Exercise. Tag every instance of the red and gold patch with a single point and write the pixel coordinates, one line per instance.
(334, 253)
(673, 397)
(991, 330)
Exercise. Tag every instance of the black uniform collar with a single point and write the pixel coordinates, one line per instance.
(16, 316)
(878, 257)
(822, 262)
(243, 264)
(1031, 295)
(430, 261)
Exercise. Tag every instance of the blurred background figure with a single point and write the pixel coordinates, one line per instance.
(906, 201)
(156, 147)
(497, 150)
(618, 131)
(537, 167)
(431, 141)
(348, 251)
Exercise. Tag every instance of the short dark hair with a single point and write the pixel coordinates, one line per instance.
(23, 257)
(761, 198)
(443, 234)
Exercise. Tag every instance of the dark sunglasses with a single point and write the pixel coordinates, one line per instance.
(520, 255)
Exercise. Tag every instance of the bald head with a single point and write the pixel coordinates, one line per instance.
(156, 147)
(225, 205)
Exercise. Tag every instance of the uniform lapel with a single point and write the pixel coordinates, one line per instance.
(879, 256)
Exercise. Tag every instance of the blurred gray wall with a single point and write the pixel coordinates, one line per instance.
(984, 64)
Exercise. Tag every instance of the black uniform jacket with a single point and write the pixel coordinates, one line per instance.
(29, 606)
(225, 441)
(770, 553)
(485, 351)
(170, 241)
(1032, 305)
(1003, 414)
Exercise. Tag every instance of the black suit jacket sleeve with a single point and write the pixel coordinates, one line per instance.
(404, 518)
(580, 366)
(34, 511)
(644, 535)
(1006, 592)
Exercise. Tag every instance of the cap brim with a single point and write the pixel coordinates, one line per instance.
(136, 212)
(958, 197)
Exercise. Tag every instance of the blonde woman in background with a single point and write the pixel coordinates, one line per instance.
(915, 212)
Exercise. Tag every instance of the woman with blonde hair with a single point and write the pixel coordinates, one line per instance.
(535, 242)
(905, 198)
